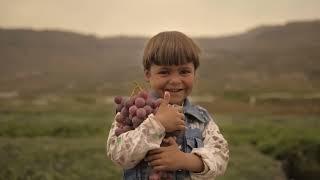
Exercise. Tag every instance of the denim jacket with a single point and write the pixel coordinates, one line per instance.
(191, 141)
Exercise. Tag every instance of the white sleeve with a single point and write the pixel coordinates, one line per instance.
(129, 148)
(214, 154)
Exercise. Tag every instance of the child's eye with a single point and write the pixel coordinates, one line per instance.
(163, 72)
(185, 72)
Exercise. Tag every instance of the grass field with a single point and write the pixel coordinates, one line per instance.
(67, 141)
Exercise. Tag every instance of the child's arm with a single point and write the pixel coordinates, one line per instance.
(129, 148)
(170, 158)
(214, 154)
(204, 163)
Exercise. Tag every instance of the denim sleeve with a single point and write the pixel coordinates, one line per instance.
(128, 149)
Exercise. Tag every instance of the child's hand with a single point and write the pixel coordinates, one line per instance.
(168, 158)
(168, 116)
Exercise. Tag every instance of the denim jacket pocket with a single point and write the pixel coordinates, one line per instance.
(194, 139)
(130, 174)
(199, 143)
(193, 142)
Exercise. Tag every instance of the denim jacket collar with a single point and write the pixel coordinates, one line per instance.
(192, 110)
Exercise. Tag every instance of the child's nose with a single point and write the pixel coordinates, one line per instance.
(175, 79)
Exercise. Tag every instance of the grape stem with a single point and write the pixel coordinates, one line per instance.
(137, 86)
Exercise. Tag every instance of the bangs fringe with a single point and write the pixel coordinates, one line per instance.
(170, 48)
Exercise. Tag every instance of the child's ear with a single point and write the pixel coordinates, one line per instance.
(196, 76)
(147, 75)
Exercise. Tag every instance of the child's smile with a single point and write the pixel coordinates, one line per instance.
(174, 90)
(175, 93)
(176, 79)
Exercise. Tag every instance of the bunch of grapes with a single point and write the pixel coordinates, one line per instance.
(160, 175)
(133, 111)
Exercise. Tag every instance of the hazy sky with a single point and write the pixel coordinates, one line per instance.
(148, 17)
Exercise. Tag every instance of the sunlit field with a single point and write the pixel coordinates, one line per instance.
(66, 139)
(262, 86)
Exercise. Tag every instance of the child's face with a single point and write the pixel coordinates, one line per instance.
(178, 80)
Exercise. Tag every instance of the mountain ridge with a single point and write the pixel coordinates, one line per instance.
(267, 57)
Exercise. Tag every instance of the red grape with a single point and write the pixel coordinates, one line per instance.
(129, 103)
(136, 121)
(118, 99)
(150, 102)
(120, 118)
(155, 110)
(144, 95)
(157, 103)
(130, 116)
(128, 121)
(119, 107)
(120, 125)
(127, 128)
(148, 109)
(124, 112)
(133, 109)
(139, 102)
(141, 113)
(119, 131)
(133, 112)
(158, 175)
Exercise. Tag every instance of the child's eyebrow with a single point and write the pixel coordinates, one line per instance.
(164, 68)
(185, 67)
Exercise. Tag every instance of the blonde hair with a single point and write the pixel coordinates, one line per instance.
(170, 48)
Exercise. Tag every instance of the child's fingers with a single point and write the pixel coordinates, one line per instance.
(166, 97)
(181, 127)
(175, 138)
(153, 157)
(180, 120)
(179, 108)
(160, 168)
(154, 151)
(157, 162)
(166, 140)
(181, 116)
(171, 141)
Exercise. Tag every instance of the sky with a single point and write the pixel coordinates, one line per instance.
(149, 17)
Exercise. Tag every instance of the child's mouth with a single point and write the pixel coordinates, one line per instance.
(173, 90)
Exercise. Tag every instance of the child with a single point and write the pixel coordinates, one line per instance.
(170, 62)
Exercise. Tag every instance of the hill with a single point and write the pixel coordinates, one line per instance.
(282, 57)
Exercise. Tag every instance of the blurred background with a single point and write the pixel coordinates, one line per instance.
(62, 62)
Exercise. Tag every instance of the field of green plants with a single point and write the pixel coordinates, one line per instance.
(67, 141)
